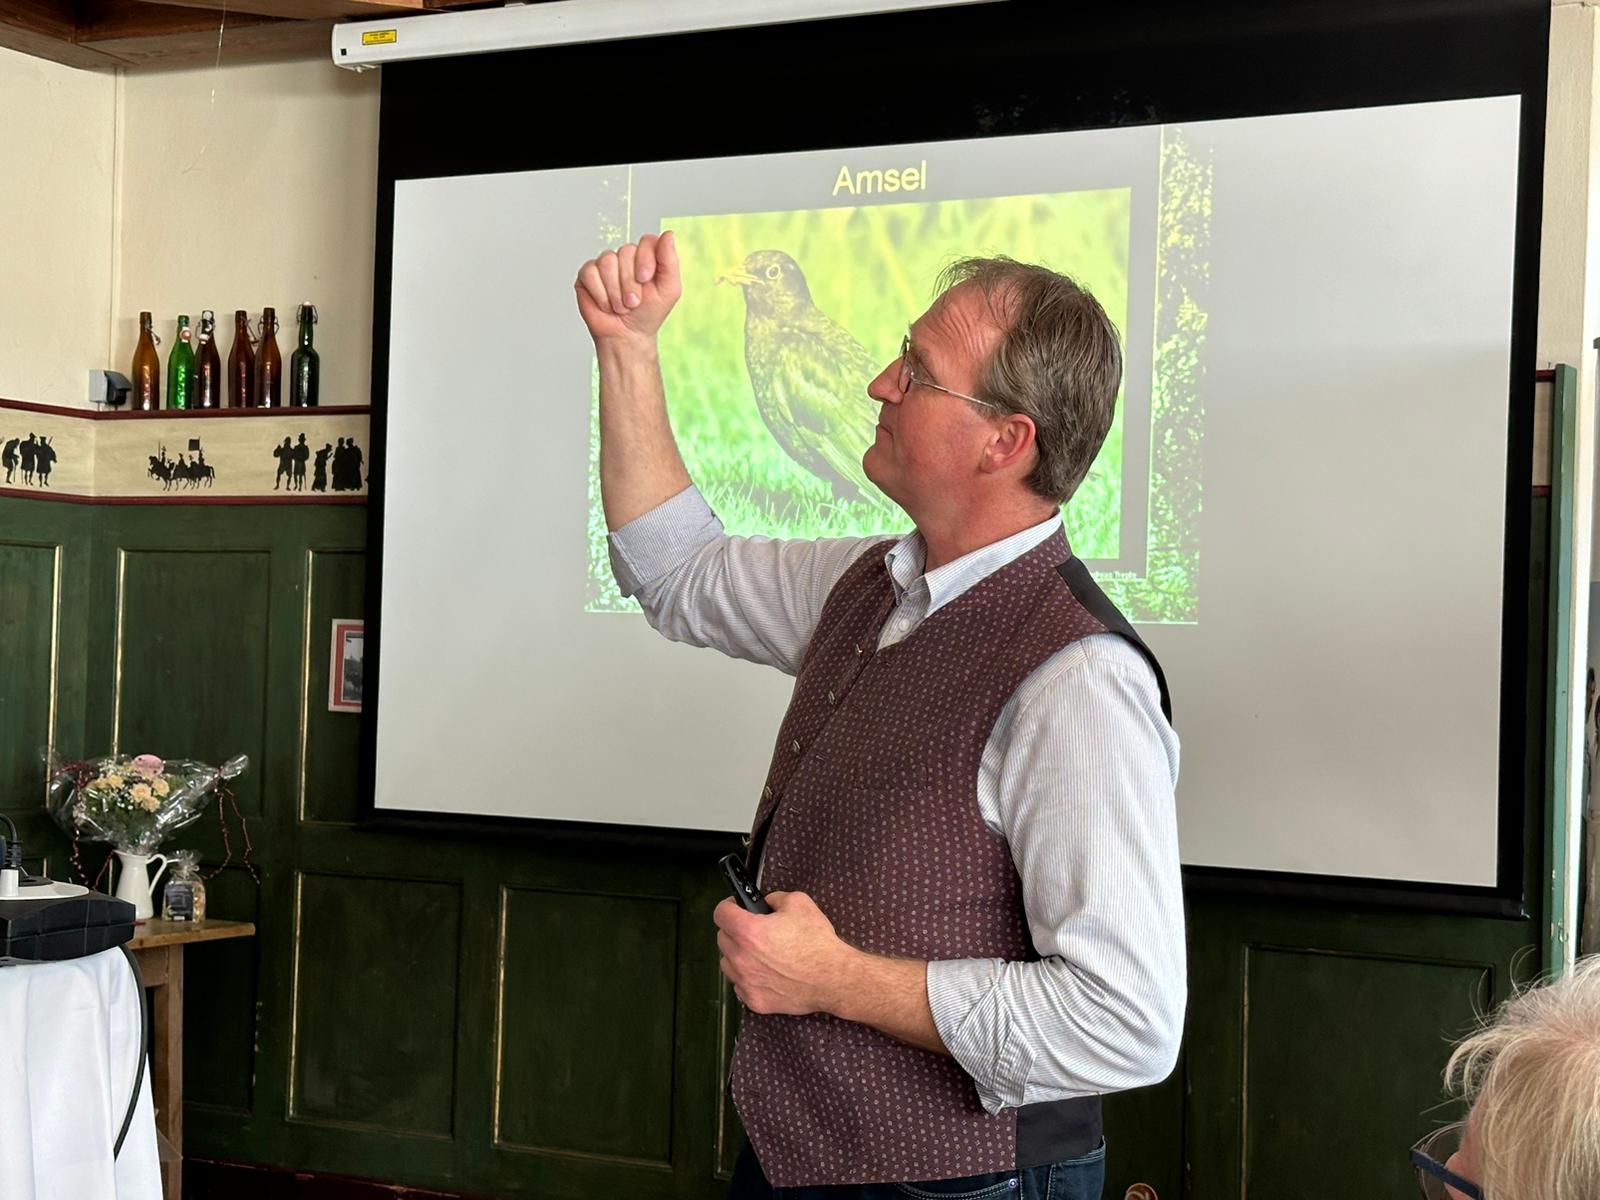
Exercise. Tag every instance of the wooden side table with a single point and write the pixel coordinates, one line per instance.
(158, 947)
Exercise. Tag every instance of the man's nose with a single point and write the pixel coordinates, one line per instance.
(885, 388)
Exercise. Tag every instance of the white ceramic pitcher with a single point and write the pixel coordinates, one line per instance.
(134, 883)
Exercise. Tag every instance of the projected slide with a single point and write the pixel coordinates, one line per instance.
(787, 315)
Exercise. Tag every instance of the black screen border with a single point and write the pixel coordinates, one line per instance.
(1017, 67)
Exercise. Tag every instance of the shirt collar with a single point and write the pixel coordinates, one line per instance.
(906, 557)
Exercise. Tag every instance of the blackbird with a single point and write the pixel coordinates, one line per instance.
(809, 375)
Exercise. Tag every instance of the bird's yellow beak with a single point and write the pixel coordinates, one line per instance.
(737, 275)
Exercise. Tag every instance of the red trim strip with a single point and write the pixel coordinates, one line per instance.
(68, 498)
(183, 414)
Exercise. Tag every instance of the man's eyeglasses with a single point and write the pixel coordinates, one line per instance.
(1429, 1156)
(910, 375)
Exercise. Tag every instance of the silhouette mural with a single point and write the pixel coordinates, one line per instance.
(315, 457)
(27, 460)
(183, 471)
(292, 457)
(337, 468)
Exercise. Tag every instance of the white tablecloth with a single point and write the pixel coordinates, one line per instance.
(69, 1045)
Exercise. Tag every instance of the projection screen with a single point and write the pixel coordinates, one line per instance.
(1301, 505)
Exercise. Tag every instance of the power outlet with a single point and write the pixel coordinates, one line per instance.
(108, 389)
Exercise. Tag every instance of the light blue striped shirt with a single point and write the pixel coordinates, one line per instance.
(1077, 776)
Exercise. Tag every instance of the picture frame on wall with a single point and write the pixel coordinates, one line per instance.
(344, 665)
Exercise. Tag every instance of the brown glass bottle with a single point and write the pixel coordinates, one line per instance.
(241, 364)
(146, 373)
(207, 365)
(269, 363)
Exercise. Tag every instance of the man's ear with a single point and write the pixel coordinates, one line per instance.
(1012, 445)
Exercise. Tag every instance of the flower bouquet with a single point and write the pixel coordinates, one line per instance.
(135, 803)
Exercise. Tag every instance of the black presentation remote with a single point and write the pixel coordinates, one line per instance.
(739, 883)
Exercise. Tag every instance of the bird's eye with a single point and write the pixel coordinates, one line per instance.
(774, 271)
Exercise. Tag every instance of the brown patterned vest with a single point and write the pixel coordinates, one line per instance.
(871, 808)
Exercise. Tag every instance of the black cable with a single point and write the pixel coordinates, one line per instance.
(144, 1049)
(11, 851)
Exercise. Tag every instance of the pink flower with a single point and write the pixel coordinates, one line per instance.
(149, 764)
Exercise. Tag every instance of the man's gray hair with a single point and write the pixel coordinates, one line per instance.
(1059, 363)
(1533, 1076)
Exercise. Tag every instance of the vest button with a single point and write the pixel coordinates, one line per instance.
(858, 649)
(766, 792)
(832, 699)
(795, 746)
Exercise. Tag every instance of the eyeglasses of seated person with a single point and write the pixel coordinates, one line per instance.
(1531, 1076)
(1433, 1158)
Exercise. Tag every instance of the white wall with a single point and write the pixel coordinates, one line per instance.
(254, 185)
(245, 187)
(175, 191)
(56, 196)
(1569, 258)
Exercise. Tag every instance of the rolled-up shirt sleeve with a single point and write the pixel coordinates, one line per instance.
(753, 598)
(649, 549)
(1084, 770)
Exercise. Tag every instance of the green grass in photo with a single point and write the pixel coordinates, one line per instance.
(871, 272)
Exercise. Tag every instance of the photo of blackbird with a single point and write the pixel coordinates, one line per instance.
(809, 375)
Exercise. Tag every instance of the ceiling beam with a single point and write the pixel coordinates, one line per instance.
(136, 32)
(307, 10)
(47, 29)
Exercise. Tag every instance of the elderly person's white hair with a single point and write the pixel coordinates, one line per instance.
(1532, 1075)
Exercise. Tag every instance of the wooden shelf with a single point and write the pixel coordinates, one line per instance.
(181, 414)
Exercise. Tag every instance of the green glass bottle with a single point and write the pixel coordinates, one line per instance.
(304, 365)
(180, 368)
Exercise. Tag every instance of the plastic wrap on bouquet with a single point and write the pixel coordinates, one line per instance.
(134, 803)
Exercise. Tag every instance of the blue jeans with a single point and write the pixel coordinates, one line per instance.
(1074, 1179)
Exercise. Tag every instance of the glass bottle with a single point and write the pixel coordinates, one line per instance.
(305, 366)
(185, 896)
(180, 367)
(208, 365)
(241, 364)
(269, 363)
(146, 373)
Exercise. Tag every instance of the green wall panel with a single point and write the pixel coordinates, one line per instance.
(375, 1003)
(337, 587)
(1144, 1137)
(29, 599)
(34, 538)
(729, 1132)
(587, 1025)
(361, 1038)
(192, 680)
(221, 983)
(1343, 1049)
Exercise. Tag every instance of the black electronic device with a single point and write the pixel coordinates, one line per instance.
(56, 927)
(42, 920)
(742, 886)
